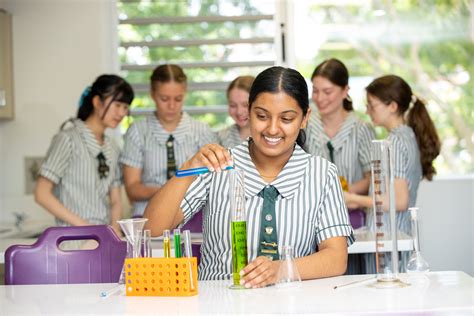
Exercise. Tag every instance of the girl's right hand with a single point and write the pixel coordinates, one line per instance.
(213, 156)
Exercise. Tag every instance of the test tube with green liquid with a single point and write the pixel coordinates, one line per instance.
(177, 243)
(166, 243)
(238, 225)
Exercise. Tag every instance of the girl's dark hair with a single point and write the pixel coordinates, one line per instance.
(393, 88)
(336, 72)
(278, 79)
(168, 73)
(104, 86)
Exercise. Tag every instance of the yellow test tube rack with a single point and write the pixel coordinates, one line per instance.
(161, 276)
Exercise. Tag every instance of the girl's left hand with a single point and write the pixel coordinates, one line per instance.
(259, 273)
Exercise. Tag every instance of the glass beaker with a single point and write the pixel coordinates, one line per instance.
(416, 263)
(384, 212)
(288, 274)
(238, 224)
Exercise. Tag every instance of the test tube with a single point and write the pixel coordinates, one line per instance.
(166, 243)
(177, 242)
(238, 225)
(188, 253)
(188, 250)
(147, 243)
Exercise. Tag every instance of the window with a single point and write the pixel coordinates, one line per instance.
(214, 41)
(428, 43)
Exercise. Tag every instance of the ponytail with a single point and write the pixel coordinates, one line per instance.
(426, 136)
(347, 104)
(85, 104)
(390, 88)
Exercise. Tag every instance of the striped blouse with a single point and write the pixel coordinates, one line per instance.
(229, 137)
(71, 164)
(145, 148)
(351, 145)
(406, 165)
(309, 209)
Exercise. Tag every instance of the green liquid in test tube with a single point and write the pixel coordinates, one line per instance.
(177, 243)
(239, 249)
(238, 225)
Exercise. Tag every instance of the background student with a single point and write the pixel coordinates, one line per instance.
(415, 142)
(79, 180)
(159, 144)
(238, 102)
(334, 131)
(304, 202)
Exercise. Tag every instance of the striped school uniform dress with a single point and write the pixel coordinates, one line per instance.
(309, 209)
(351, 154)
(229, 137)
(145, 148)
(351, 145)
(71, 163)
(406, 165)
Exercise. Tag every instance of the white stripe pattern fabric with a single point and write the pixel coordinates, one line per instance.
(71, 163)
(406, 165)
(229, 137)
(351, 145)
(145, 148)
(309, 209)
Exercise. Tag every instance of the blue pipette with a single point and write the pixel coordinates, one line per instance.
(196, 171)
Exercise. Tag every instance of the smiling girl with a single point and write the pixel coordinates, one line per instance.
(308, 210)
(238, 99)
(334, 130)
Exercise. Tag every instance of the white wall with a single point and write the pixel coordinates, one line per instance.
(59, 47)
(446, 223)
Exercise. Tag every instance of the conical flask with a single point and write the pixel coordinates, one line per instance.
(416, 263)
(288, 274)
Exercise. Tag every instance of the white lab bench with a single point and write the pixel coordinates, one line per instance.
(436, 293)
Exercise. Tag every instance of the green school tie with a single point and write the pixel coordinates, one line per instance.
(171, 164)
(331, 151)
(268, 245)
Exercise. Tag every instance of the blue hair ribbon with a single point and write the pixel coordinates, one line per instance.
(84, 95)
